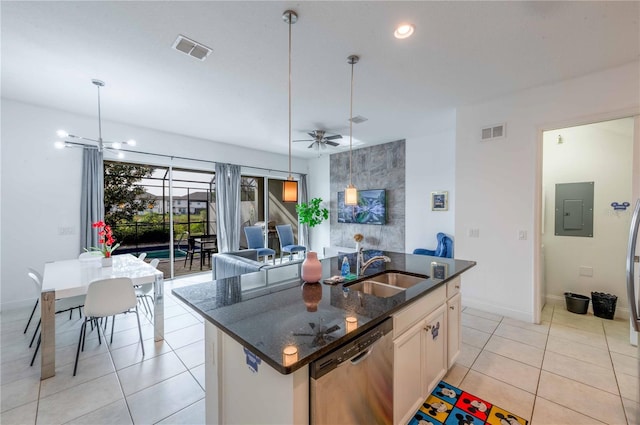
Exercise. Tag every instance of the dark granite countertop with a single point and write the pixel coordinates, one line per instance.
(270, 310)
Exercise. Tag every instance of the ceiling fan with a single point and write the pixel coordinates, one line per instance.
(319, 140)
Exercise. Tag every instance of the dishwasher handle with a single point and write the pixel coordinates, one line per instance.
(361, 356)
(352, 353)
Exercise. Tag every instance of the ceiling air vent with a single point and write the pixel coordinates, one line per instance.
(191, 48)
(493, 132)
(358, 119)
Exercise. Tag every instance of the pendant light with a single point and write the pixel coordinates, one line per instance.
(290, 186)
(351, 193)
(100, 144)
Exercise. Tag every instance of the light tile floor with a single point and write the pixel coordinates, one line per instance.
(571, 369)
(114, 384)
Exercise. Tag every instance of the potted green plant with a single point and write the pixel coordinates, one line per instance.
(312, 213)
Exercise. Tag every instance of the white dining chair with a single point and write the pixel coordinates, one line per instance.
(37, 278)
(62, 305)
(107, 297)
(142, 256)
(143, 291)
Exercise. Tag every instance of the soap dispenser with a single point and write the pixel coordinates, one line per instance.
(346, 269)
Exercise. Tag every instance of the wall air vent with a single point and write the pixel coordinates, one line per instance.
(191, 48)
(493, 132)
(358, 119)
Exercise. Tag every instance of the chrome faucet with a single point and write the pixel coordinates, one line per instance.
(362, 266)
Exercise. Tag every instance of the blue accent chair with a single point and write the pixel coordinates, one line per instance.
(444, 248)
(255, 240)
(287, 245)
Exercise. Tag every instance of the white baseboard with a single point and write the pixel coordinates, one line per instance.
(492, 308)
(15, 305)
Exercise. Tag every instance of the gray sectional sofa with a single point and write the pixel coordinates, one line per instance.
(235, 263)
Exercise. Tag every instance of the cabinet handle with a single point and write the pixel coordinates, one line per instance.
(457, 286)
(452, 307)
(428, 328)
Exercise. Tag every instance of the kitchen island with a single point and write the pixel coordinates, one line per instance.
(263, 330)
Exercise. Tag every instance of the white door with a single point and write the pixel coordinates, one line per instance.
(435, 349)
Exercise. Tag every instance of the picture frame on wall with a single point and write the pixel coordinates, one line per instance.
(440, 201)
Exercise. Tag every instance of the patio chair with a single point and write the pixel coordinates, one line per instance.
(255, 240)
(287, 244)
(190, 252)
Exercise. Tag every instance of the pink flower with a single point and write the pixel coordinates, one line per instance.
(105, 238)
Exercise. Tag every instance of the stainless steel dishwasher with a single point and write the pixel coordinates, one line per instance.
(354, 384)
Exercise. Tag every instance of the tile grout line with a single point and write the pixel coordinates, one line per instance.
(544, 355)
(615, 373)
(124, 396)
(564, 377)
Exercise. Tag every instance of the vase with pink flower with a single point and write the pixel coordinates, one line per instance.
(106, 241)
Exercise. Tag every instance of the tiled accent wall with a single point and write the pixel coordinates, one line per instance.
(375, 167)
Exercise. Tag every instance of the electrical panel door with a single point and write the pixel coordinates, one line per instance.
(574, 209)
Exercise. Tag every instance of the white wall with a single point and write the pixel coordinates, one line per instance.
(318, 187)
(601, 153)
(41, 185)
(496, 182)
(430, 167)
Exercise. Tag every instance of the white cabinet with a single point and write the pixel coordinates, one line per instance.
(454, 335)
(434, 350)
(427, 340)
(407, 371)
(419, 353)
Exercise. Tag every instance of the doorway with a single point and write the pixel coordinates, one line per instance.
(153, 209)
(262, 205)
(600, 154)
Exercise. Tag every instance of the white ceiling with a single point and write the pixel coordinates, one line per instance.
(461, 52)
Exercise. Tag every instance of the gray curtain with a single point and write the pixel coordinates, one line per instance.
(303, 231)
(92, 196)
(228, 206)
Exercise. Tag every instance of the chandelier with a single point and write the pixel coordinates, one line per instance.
(99, 143)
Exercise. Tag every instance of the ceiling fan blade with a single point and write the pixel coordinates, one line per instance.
(311, 145)
(337, 136)
(312, 134)
(306, 140)
(329, 142)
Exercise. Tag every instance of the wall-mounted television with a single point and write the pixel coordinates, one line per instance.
(371, 208)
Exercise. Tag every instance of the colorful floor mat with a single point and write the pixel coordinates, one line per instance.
(448, 405)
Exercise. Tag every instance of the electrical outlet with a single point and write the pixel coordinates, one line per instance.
(586, 271)
(65, 231)
(474, 233)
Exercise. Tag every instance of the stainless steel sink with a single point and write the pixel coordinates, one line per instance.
(400, 280)
(377, 289)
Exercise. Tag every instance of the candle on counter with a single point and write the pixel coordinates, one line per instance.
(351, 323)
(289, 355)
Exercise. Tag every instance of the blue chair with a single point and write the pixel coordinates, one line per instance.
(255, 240)
(285, 234)
(444, 248)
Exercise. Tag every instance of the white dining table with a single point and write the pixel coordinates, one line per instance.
(70, 278)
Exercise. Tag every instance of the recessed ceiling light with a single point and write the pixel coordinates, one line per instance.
(403, 31)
